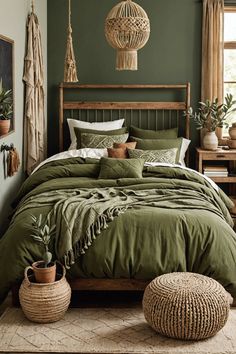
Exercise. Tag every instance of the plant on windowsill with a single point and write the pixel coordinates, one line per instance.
(6, 109)
(211, 115)
(44, 270)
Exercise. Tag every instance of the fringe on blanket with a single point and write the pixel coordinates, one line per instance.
(91, 234)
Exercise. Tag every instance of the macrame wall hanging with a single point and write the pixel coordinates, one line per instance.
(127, 29)
(70, 72)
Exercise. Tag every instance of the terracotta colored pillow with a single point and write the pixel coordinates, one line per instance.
(130, 145)
(120, 150)
(119, 153)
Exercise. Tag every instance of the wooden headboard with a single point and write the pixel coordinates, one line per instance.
(155, 114)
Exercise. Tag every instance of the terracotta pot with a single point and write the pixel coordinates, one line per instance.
(232, 131)
(44, 275)
(210, 141)
(4, 126)
(232, 144)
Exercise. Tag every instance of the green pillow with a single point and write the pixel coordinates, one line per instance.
(167, 156)
(121, 168)
(153, 134)
(79, 131)
(159, 144)
(95, 141)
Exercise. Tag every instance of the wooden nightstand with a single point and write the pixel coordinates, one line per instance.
(228, 158)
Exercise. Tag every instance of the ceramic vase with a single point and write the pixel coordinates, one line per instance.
(210, 141)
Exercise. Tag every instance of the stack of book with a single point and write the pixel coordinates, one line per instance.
(215, 171)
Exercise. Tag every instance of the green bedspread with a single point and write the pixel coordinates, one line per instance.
(170, 220)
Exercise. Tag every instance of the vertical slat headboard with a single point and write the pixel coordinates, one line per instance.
(156, 114)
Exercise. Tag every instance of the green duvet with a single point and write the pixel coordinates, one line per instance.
(170, 220)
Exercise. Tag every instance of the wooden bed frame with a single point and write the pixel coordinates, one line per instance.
(122, 107)
(69, 105)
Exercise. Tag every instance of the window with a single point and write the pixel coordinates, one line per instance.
(230, 56)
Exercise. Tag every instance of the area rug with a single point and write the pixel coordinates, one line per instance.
(103, 330)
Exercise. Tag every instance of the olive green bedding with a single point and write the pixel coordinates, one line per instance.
(171, 219)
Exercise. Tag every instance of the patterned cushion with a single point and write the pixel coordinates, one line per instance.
(167, 156)
(79, 131)
(159, 144)
(101, 141)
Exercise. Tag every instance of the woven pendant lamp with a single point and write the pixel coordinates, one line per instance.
(70, 73)
(127, 29)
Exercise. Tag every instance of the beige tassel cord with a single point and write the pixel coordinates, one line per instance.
(70, 73)
(127, 29)
(32, 6)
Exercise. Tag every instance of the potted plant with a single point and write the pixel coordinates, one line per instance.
(6, 109)
(44, 270)
(212, 115)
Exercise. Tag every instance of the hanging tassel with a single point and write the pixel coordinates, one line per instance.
(32, 6)
(70, 73)
(13, 162)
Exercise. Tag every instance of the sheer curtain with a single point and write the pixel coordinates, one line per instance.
(212, 50)
(213, 53)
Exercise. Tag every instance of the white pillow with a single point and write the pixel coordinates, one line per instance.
(183, 150)
(93, 153)
(103, 126)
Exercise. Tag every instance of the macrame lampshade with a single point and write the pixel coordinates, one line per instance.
(127, 29)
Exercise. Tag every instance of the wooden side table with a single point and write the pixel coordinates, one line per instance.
(220, 154)
(227, 157)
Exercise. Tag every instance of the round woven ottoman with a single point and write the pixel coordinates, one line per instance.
(185, 306)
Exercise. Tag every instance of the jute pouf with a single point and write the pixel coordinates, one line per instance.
(185, 306)
(45, 302)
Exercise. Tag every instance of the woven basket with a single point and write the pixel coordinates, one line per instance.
(45, 302)
(127, 29)
(185, 306)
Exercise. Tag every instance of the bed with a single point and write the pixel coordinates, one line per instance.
(169, 219)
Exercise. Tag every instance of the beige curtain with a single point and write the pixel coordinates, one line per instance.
(34, 121)
(212, 50)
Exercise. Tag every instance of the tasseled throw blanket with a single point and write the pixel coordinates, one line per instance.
(81, 215)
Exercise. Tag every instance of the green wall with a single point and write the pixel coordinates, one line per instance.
(172, 55)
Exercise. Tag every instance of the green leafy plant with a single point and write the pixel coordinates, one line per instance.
(6, 103)
(43, 233)
(211, 115)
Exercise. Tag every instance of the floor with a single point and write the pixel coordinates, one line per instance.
(5, 304)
